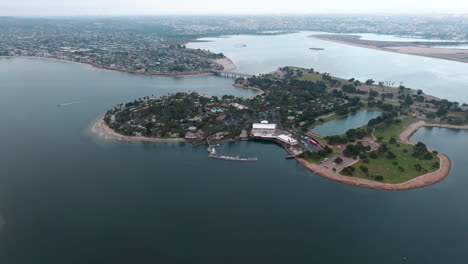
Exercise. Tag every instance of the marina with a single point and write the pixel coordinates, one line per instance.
(214, 155)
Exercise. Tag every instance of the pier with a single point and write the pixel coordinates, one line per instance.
(214, 155)
(234, 75)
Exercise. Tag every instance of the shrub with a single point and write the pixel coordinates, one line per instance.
(418, 167)
(348, 171)
(338, 160)
(379, 178)
(364, 169)
(383, 148)
(390, 155)
(428, 156)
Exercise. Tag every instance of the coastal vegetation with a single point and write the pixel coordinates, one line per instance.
(394, 161)
(380, 156)
(320, 155)
(285, 100)
(296, 100)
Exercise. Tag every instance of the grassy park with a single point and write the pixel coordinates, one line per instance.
(394, 161)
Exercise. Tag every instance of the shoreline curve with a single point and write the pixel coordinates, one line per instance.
(415, 183)
(227, 63)
(101, 129)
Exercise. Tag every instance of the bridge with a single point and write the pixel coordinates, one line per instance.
(234, 75)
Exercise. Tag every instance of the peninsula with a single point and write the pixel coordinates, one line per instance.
(292, 101)
(418, 48)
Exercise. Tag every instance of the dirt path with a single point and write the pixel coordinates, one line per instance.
(418, 182)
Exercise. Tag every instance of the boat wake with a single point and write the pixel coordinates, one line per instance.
(67, 104)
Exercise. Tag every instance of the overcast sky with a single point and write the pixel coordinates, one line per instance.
(154, 7)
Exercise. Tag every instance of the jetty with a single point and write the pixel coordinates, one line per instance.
(214, 155)
(237, 158)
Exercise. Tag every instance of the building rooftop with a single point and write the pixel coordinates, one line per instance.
(263, 126)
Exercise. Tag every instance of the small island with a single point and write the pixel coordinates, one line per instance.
(289, 103)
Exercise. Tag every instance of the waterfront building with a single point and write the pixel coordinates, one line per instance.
(287, 139)
(263, 129)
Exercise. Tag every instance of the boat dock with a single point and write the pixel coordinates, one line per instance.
(232, 158)
(214, 155)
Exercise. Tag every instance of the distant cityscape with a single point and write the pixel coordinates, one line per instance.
(156, 44)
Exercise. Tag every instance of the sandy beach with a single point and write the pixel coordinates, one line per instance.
(460, 55)
(100, 128)
(418, 182)
(228, 64)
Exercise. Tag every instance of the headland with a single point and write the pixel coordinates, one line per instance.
(378, 155)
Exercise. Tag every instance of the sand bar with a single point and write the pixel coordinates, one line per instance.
(417, 48)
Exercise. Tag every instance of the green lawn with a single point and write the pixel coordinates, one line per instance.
(391, 172)
(312, 77)
(390, 169)
(393, 130)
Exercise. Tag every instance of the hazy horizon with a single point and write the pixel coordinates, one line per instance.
(239, 7)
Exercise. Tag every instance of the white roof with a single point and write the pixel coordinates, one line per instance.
(286, 138)
(264, 126)
(264, 122)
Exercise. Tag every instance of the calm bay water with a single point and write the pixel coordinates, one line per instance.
(340, 126)
(68, 196)
(263, 54)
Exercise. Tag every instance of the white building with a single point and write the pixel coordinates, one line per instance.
(263, 129)
(266, 130)
(287, 139)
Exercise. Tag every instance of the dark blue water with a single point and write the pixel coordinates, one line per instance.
(340, 126)
(70, 197)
